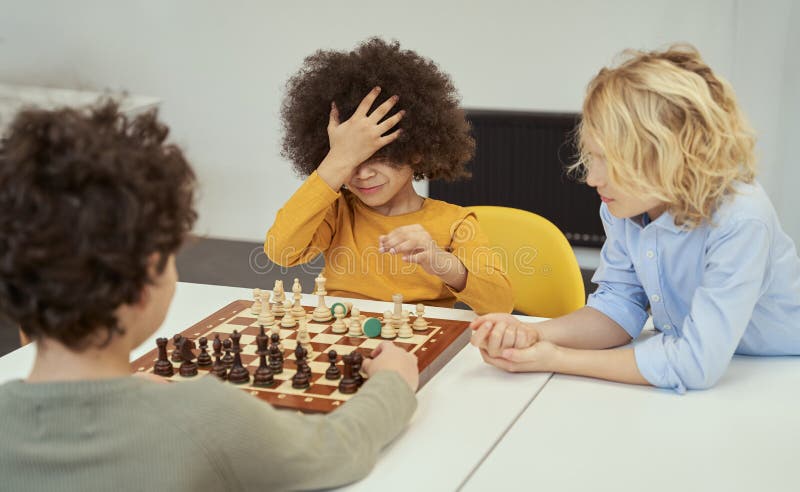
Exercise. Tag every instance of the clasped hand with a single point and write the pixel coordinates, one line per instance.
(509, 344)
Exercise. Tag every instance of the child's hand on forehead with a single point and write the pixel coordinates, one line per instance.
(358, 138)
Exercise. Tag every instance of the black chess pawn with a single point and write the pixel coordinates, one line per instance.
(163, 366)
(238, 373)
(333, 371)
(358, 359)
(176, 354)
(306, 366)
(219, 369)
(188, 367)
(203, 359)
(263, 375)
(227, 359)
(275, 355)
(348, 384)
(300, 379)
(217, 345)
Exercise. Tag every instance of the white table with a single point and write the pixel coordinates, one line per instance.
(588, 435)
(463, 411)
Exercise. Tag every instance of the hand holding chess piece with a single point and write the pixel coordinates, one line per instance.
(389, 357)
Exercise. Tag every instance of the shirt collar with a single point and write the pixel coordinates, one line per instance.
(664, 221)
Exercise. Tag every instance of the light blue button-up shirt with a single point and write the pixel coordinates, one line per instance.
(729, 286)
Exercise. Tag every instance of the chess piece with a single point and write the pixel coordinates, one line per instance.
(405, 331)
(227, 360)
(266, 318)
(333, 372)
(355, 323)
(176, 354)
(321, 313)
(238, 373)
(397, 313)
(275, 355)
(388, 332)
(358, 359)
(406, 317)
(203, 359)
(163, 366)
(300, 380)
(217, 345)
(304, 339)
(255, 309)
(338, 326)
(288, 320)
(420, 323)
(348, 385)
(219, 369)
(297, 308)
(278, 296)
(371, 327)
(188, 367)
(263, 375)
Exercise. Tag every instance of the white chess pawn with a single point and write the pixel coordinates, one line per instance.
(388, 331)
(338, 326)
(355, 323)
(405, 331)
(304, 339)
(266, 318)
(406, 316)
(297, 308)
(288, 320)
(420, 323)
(255, 309)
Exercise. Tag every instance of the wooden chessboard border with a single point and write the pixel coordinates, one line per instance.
(432, 355)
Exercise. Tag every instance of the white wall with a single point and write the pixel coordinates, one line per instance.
(220, 68)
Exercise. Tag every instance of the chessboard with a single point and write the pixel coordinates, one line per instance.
(434, 347)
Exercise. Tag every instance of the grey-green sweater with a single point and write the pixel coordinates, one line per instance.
(133, 434)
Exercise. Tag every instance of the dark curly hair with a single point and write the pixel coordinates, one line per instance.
(86, 198)
(434, 126)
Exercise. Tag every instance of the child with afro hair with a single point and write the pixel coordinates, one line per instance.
(362, 126)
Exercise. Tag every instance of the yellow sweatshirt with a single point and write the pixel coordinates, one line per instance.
(318, 220)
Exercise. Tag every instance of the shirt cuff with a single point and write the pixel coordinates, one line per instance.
(630, 318)
(654, 366)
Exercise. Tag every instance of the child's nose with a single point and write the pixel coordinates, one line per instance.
(364, 171)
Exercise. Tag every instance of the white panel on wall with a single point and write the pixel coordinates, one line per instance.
(220, 68)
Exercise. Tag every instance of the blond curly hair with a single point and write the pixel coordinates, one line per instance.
(670, 129)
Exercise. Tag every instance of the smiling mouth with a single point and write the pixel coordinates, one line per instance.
(371, 189)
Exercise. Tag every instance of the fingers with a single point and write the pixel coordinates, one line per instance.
(368, 101)
(480, 334)
(391, 122)
(366, 365)
(333, 118)
(384, 109)
(491, 317)
(380, 348)
(494, 343)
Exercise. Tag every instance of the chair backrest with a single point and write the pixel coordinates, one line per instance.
(541, 265)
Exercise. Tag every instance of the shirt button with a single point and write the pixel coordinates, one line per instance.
(667, 327)
(655, 298)
(650, 253)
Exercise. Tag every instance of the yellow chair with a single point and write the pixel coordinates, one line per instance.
(544, 274)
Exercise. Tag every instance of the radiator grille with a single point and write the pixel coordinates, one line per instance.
(519, 162)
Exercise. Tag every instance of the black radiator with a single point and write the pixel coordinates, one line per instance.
(520, 162)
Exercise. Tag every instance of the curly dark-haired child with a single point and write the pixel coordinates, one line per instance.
(93, 206)
(691, 237)
(362, 125)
